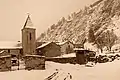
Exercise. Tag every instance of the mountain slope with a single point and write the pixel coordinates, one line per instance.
(101, 16)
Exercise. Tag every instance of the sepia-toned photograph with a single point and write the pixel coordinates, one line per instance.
(59, 39)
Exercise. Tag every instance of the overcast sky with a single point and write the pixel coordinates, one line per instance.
(43, 13)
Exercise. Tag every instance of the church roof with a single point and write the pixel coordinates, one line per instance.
(43, 45)
(28, 23)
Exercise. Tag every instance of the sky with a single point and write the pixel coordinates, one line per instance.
(43, 13)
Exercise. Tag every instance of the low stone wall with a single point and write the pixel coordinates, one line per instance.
(71, 60)
(34, 62)
(5, 63)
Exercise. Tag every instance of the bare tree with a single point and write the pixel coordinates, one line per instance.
(107, 39)
(110, 39)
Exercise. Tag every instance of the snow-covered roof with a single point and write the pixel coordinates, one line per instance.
(61, 43)
(69, 55)
(34, 56)
(5, 56)
(28, 23)
(9, 45)
(79, 49)
(66, 55)
(43, 45)
(2, 51)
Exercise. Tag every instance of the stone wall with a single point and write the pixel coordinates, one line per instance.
(71, 60)
(5, 63)
(34, 62)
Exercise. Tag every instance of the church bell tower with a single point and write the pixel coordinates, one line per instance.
(29, 38)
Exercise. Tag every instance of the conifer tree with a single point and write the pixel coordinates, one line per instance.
(91, 37)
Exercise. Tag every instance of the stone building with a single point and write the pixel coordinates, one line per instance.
(66, 47)
(49, 49)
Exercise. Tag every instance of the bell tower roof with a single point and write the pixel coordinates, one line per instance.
(28, 22)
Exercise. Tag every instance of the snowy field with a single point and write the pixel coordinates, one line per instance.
(100, 71)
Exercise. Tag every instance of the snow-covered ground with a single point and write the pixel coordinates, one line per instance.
(100, 71)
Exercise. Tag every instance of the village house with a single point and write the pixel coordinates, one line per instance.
(10, 48)
(66, 47)
(9, 53)
(49, 49)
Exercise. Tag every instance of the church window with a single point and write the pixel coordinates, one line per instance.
(8, 51)
(30, 36)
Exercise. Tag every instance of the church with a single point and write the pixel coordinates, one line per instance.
(29, 42)
(29, 46)
(28, 37)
